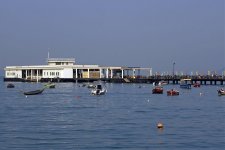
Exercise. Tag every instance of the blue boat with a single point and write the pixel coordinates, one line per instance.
(185, 83)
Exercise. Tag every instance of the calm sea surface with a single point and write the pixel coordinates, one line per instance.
(69, 117)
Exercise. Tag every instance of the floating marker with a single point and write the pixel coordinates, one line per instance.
(159, 125)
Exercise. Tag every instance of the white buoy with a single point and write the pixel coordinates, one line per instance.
(160, 125)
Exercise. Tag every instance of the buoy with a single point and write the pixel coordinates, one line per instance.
(201, 94)
(159, 125)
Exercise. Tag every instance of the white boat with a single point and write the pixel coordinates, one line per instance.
(160, 83)
(221, 92)
(98, 90)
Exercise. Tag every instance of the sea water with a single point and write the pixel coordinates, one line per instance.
(126, 117)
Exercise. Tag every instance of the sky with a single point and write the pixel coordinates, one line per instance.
(140, 33)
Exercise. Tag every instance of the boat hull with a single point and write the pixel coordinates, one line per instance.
(221, 93)
(172, 93)
(10, 85)
(157, 90)
(33, 92)
(185, 86)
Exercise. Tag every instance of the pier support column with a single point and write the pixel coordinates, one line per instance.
(26, 74)
(111, 73)
(37, 75)
(31, 74)
(88, 73)
(76, 73)
(107, 73)
(133, 73)
(122, 73)
(101, 75)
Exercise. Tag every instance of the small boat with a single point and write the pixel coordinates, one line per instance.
(91, 86)
(172, 92)
(98, 90)
(35, 92)
(185, 83)
(10, 85)
(160, 83)
(196, 84)
(50, 85)
(163, 83)
(221, 92)
(157, 90)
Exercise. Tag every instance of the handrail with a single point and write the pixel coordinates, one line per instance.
(61, 59)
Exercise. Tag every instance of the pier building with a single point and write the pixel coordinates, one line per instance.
(66, 68)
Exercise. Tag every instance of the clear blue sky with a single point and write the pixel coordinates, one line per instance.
(145, 33)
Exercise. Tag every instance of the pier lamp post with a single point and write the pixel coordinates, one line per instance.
(173, 68)
(173, 72)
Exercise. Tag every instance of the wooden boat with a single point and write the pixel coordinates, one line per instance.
(185, 83)
(10, 85)
(221, 92)
(35, 92)
(50, 85)
(157, 90)
(98, 90)
(196, 85)
(172, 92)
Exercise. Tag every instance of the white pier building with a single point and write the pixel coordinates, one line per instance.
(66, 68)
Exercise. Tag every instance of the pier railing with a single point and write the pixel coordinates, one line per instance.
(169, 77)
(205, 80)
(61, 59)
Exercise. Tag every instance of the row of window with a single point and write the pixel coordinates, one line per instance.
(51, 73)
(61, 63)
(11, 73)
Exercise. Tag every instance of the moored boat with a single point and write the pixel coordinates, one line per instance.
(10, 85)
(160, 83)
(221, 92)
(185, 83)
(196, 84)
(157, 90)
(163, 83)
(172, 92)
(50, 85)
(98, 90)
(35, 92)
